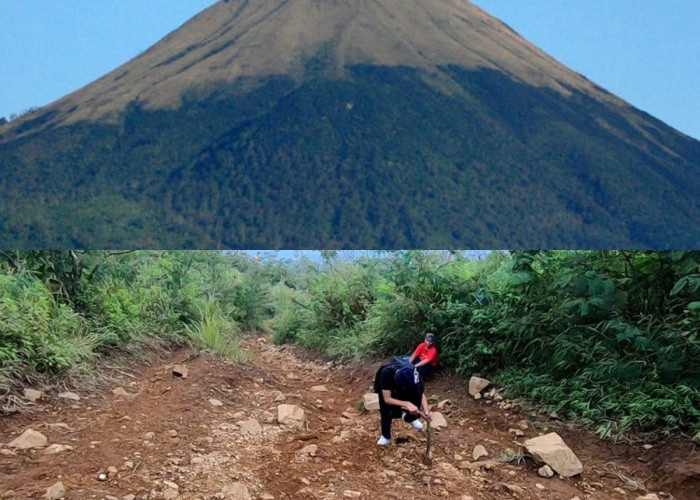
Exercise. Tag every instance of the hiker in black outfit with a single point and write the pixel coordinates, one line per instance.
(401, 395)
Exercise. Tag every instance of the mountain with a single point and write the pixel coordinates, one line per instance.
(354, 124)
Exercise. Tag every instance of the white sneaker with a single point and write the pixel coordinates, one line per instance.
(382, 441)
(417, 425)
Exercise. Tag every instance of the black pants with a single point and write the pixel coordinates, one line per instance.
(388, 413)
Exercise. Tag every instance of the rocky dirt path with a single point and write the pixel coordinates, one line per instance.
(215, 435)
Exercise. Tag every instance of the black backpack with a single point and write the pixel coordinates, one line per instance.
(396, 364)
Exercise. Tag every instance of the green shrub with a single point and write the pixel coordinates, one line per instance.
(36, 333)
(215, 332)
(608, 338)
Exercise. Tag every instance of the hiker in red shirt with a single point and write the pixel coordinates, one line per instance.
(425, 357)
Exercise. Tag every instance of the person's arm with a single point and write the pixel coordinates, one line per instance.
(415, 354)
(430, 355)
(406, 405)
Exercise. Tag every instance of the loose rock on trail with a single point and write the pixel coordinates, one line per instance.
(215, 433)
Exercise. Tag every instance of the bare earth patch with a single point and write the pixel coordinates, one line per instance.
(214, 435)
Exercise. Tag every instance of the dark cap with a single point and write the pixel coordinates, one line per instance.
(429, 336)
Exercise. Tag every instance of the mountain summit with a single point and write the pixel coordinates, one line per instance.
(354, 123)
(240, 39)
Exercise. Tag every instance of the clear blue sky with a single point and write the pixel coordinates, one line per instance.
(644, 51)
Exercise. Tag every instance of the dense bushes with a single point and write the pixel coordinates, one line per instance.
(59, 311)
(608, 338)
(36, 332)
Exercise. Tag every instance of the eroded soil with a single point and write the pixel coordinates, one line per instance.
(167, 439)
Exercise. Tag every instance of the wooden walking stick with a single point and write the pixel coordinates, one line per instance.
(428, 458)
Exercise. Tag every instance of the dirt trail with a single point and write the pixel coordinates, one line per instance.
(168, 439)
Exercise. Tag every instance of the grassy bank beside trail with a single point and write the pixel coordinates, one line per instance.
(607, 338)
(61, 312)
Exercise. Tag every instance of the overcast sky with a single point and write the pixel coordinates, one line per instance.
(644, 51)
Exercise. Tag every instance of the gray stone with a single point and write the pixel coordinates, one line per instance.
(249, 427)
(310, 450)
(57, 448)
(28, 440)
(523, 425)
(553, 451)
(293, 416)
(438, 421)
(545, 471)
(513, 489)
(69, 395)
(447, 470)
(180, 371)
(479, 452)
(371, 401)
(477, 384)
(171, 485)
(33, 395)
(56, 491)
(236, 491)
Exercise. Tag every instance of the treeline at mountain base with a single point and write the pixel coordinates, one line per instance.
(608, 339)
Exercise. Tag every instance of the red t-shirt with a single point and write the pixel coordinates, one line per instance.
(423, 352)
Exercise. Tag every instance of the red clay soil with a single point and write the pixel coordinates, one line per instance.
(169, 438)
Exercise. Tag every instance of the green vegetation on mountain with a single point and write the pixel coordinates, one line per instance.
(378, 159)
(606, 338)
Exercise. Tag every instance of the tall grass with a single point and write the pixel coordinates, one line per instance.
(213, 331)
